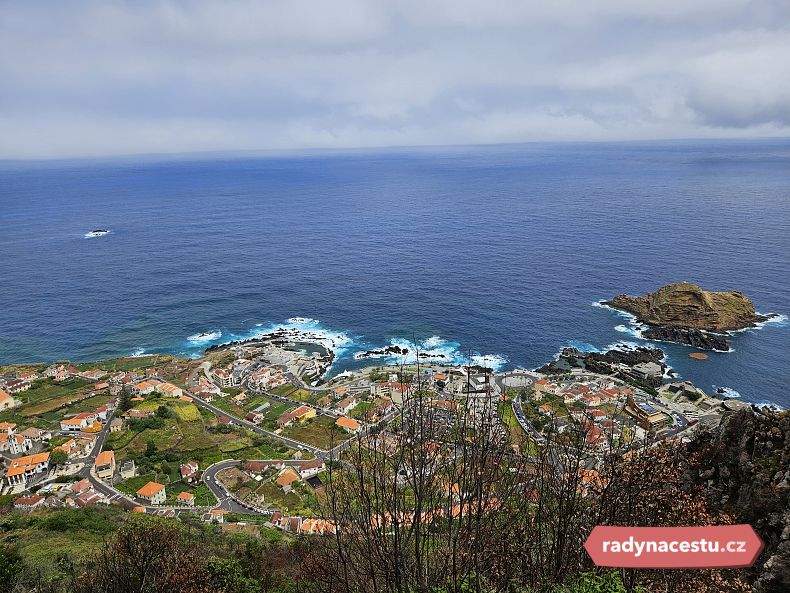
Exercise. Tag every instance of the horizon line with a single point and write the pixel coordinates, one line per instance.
(275, 152)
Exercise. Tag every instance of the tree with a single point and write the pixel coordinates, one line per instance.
(150, 448)
(58, 457)
(148, 555)
(125, 402)
(438, 502)
(163, 411)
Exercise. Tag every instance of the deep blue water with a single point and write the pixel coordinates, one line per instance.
(496, 250)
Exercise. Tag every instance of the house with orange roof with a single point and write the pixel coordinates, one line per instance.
(70, 448)
(303, 413)
(78, 422)
(348, 424)
(145, 387)
(311, 526)
(23, 469)
(29, 503)
(215, 516)
(170, 390)
(27, 376)
(6, 401)
(186, 498)
(287, 478)
(8, 427)
(153, 492)
(105, 465)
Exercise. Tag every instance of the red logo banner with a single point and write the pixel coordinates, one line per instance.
(717, 546)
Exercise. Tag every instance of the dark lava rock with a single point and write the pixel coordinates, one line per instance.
(687, 335)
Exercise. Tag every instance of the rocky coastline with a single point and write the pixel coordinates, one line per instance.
(687, 335)
(623, 363)
(397, 351)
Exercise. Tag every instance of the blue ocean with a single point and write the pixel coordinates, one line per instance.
(496, 253)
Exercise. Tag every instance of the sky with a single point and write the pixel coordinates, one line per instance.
(102, 78)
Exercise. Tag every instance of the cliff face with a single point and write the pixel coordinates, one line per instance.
(743, 465)
(687, 305)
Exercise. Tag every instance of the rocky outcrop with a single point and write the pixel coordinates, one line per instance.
(618, 362)
(686, 335)
(743, 466)
(388, 351)
(686, 305)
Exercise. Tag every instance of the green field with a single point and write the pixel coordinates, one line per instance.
(284, 390)
(189, 434)
(42, 405)
(519, 438)
(359, 411)
(173, 486)
(44, 538)
(301, 500)
(319, 432)
(131, 363)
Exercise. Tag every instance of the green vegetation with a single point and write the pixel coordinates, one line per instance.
(179, 432)
(131, 363)
(319, 432)
(284, 390)
(361, 409)
(47, 395)
(518, 437)
(42, 539)
(92, 550)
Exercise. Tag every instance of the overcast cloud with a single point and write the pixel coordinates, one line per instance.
(85, 78)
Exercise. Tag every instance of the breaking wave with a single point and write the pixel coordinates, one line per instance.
(434, 349)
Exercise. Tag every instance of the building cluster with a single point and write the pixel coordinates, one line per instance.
(300, 415)
(301, 525)
(88, 421)
(592, 401)
(285, 476)
(75, 495)
(15, 442)
(266, 378)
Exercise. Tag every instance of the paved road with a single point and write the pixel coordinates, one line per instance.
(226, 500)
(319, 453)
(90, 460)
(257, 429)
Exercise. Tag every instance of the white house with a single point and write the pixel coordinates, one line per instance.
(310, 468)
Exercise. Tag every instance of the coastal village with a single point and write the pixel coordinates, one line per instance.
(244, 437)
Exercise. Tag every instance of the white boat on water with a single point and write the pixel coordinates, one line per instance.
(96, 233)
